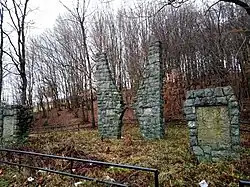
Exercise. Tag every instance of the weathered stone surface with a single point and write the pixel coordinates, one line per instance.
(219, 154)
(222, 100)
(190, 94)
(193, 140)
(189, 110)
(235, 140)
(199, 93)
(148, 105)
(214, 123)
(218, 92)
(14, 122)
(235, 111)
(189, 102)
(110, 104)
(191, 124)
(198, 151)
(198, 101)
(149, 101)
(209, 92)
(235, 131)
(193, 132)
(191, 117)
(228, 90)
(207, 149)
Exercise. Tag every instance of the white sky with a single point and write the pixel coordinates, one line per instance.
(46, 11)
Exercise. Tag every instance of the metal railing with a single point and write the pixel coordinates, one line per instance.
(72, 160)
(243, 183)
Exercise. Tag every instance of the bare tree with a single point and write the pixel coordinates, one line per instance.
(176, 3)
(79, 14)
(18, 11)
(1, 49)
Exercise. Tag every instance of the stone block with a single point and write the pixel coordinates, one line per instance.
(198, 151)
(199, 93)
(235, 120)
(191, 124)
(198, 101)
(234, 111)
(218, 92)
(193, 132)
(189, 110)
(189, 102)
(228, 91)
(233, 104)
(190, 94)
(232, 98)
(191, 117)
(222, 101)
(235, 131)
(215, 159)
(193, 141)
(207, 149)
(209, 92)
(220, 154)
(235, 140)
(236, 148)
(212, 101)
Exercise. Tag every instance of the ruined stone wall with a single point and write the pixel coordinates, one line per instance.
(213, 121)
(14, 124)
(109, 100)
(149, 100)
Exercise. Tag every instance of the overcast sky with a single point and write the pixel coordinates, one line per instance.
(46, 11)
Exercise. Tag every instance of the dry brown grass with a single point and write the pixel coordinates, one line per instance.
(171, 156)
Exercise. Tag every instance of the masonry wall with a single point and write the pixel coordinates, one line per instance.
(14, 124)
(109, 100)
(149, 100)
(213, 121)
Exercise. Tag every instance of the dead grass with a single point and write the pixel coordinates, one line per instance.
(171, 156)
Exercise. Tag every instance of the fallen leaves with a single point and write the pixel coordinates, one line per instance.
(171, 156)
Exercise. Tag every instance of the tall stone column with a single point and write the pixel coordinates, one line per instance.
(149, 101)
(109, 100)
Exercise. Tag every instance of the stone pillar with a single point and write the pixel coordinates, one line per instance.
(213, 120)
(15, 124)
(149, 100)
(109, 100)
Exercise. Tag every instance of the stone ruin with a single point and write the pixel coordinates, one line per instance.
(109, 100)
(149, 104)
(149, 100)
(213, 120)
(14, 124)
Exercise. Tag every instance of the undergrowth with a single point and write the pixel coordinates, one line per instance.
(170, 156)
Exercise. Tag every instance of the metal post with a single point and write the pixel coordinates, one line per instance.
(71, 166)
(241, 184)
(244, 183)
(156, 178)
(19, 162)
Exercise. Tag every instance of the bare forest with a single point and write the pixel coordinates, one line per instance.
(204, 45)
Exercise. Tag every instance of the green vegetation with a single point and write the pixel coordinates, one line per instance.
(171, 156)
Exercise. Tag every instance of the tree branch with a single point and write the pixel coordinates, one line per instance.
(241, 4)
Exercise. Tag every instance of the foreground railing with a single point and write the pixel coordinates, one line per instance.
(243, 183)
(72, 160)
